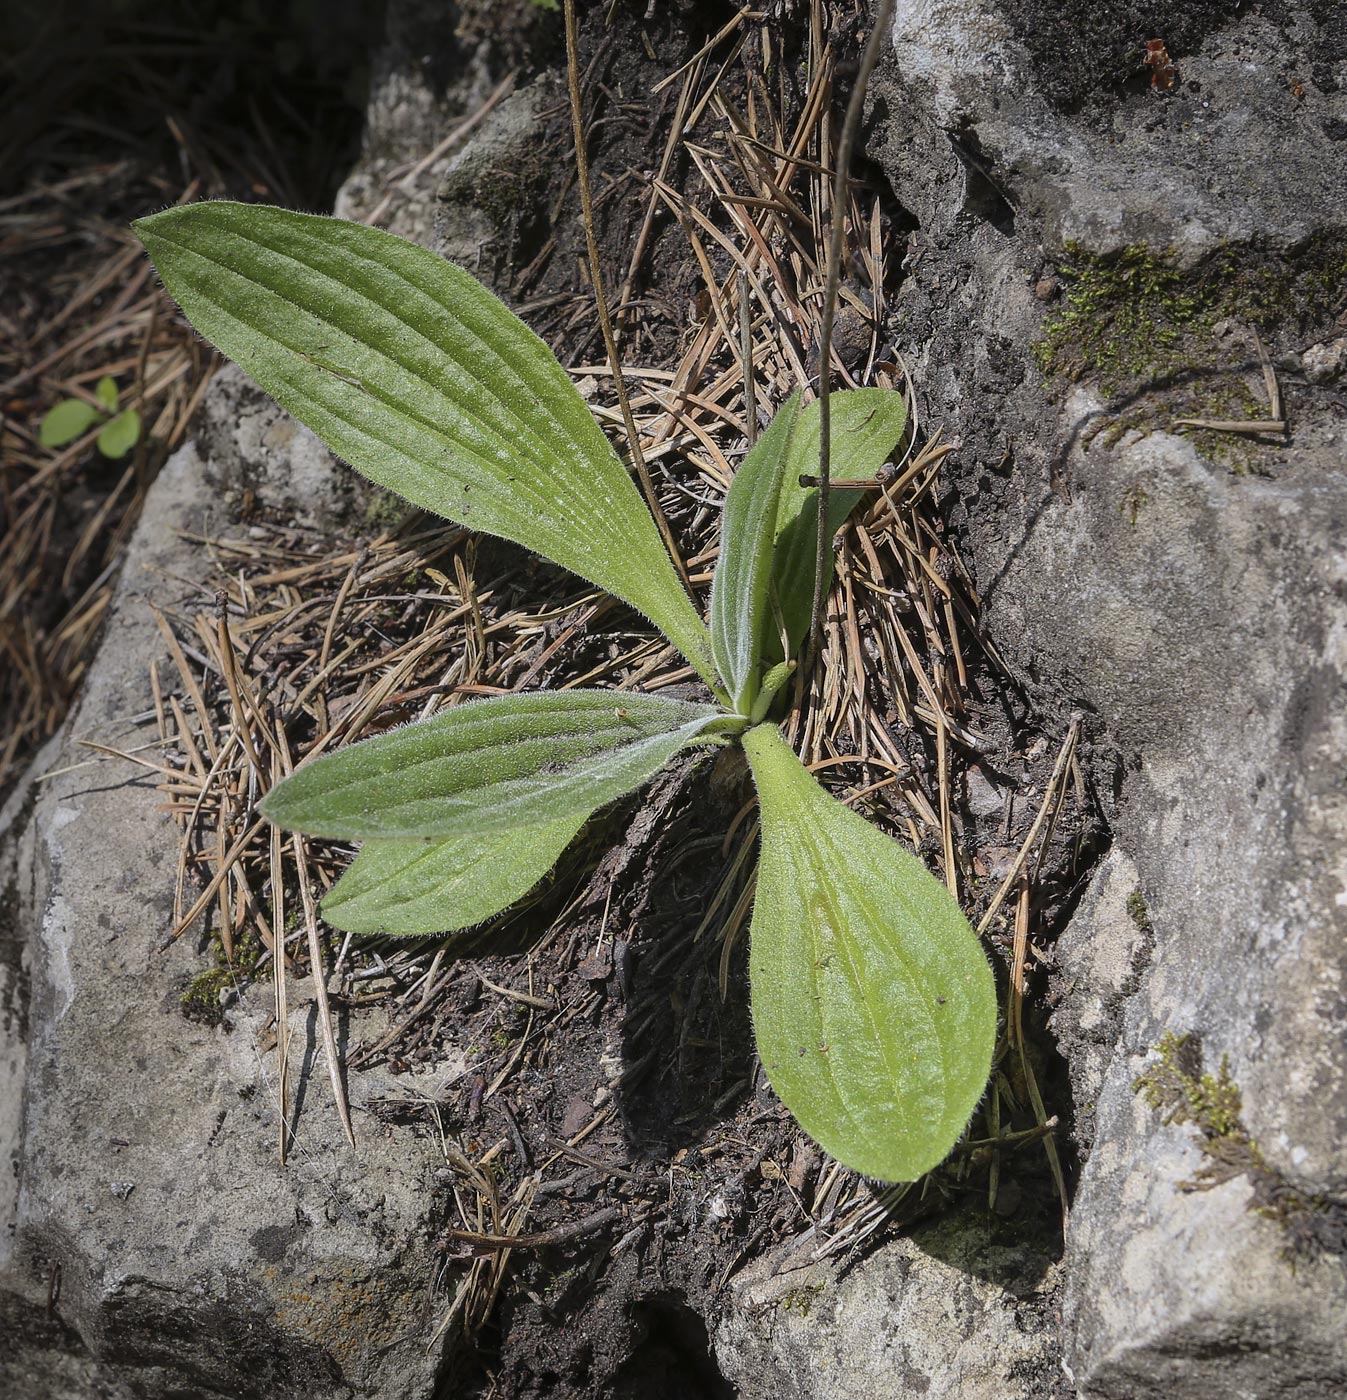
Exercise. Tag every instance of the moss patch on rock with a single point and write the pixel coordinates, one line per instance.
(1163, 341)
(1179, 1086)
(1139, 912)
(201, 1001)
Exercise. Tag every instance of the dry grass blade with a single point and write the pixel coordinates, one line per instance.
(320, 988)
(878, 36)
(600, 297)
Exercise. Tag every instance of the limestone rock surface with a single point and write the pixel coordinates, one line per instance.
(155, 1244)
(949, 1313)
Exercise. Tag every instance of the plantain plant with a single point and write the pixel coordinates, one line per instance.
(873, 1005)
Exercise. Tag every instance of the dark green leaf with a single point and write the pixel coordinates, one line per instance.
(534, 759)
(873, 1004)
(421, 379)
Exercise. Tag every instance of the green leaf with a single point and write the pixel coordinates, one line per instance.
(491, 765)
(740, 592)
(120, 434)
(867, 424)
(413, 887)
(66, 422)
(423, 380)
(873, 1004)
(106, 393)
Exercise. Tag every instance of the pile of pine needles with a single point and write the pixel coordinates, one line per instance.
(130, 110)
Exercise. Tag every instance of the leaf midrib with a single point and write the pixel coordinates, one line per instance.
(831, 858)
(562, 489)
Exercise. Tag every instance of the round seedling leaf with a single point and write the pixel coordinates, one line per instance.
(120, 434)
(66, 422)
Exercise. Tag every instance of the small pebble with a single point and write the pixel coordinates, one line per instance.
(1325, 362)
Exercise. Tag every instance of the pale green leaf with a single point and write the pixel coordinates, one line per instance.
(120, 434)
(66, 422)
(740, 591)
(533, 759)
(424, 381)
(105, 391)
(874, 1007)
(867, 424)
(439, 885)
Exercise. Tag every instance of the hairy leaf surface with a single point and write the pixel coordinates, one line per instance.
(748, 526)
(424, 381)
(532, 759)
(873, 1004)
(867, 424)
(439, 885)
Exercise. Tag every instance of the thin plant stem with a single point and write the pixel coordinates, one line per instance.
(841, 176)
(601, 301)
(330, 1052)
(746, 359)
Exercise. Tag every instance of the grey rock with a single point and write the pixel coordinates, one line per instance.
(1325, 363)
(985, 798)
(948, 1313)
(151, 1205)
(409, 115)
(1175, 1292)
(1196, 614)
(1100, 957)
(1228, 153)
(495, 182)
(256, 457)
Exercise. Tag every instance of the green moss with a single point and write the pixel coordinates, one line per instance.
(1137, 909)
(800, 1300)
(201, 1001)
(1178, 1085)
(1133, 499)
(1122, 317)
(247, 951)
(1145, 331)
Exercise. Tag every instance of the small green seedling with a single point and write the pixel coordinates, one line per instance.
(72, 417)
(874, 1007)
